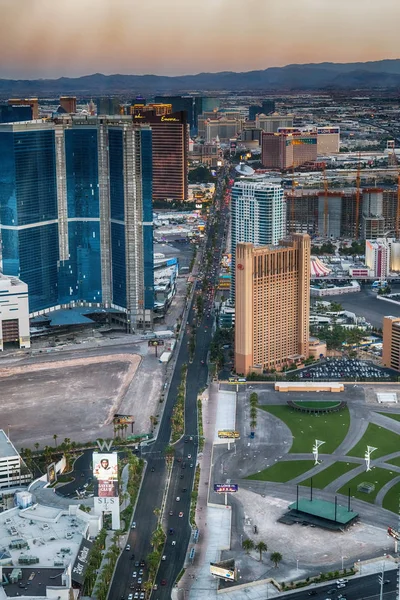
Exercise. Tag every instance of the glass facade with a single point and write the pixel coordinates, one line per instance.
(28, 197)
(118, 264)
(80, 276)
(116, 158)
(147, 193)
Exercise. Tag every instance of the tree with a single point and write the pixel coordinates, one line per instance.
(276, 558)
(55, 436)
(261, 547)
(36, 444)
(247, 545)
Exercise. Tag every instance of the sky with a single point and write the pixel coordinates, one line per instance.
(55, 38)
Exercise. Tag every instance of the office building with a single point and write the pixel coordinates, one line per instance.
(272, 304)
(170, 154)
(271, 123)
(14, 313)
(377, 257)
(108, 106)
(201, 105)
(76, 213)
(266, 108)
(13, 114)
(32, 102)
(68, 104)
(288, 148)
(391, 343)
(157, 109)
(13, 470)
(258, 216)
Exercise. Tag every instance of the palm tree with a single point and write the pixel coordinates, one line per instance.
(261, 547)
(247, 545)
(276, 558)
(36, 444)
(55, 436)
(253, 424)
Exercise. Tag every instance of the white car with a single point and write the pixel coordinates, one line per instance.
(178, 498)
(127, 547)
(189, 456)
(164, 557)
(134, 574)
(173, 543)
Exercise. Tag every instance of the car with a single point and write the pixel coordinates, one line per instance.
(191, 438)
(191, 465)
(141, 572)
(181, 476)
(136, 596)
(184, 489)
(139, 580)
(133, 526)
(171, 513)
(171, 531)
(173, 543)
(136, 563)
(152, 469)
(186, 440)
(342, 580)
(142, 563)
(181, 514)
(134, 574)
(178, 498)
(163, 582)
(189, 456)
(179, 459)
(164, 557)
(312, 593)
(130, 597)
(141, 596)
(341, 585)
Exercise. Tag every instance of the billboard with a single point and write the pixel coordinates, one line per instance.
(155, 343)
(228, 433)
(223, 488)
(81, 561)
(221, 572)
(105, 474)
(123, 419)
(51, 473)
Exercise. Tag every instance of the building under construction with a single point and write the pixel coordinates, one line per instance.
(333, 214)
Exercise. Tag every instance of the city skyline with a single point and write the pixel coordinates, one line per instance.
(54, 39)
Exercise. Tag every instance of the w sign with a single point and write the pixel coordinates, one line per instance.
(104, 445)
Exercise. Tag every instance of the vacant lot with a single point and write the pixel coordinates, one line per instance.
(72, 398)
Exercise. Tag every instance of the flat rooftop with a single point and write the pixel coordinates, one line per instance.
(324, 510)
(50, 533)
(6, 447)
(34, 587)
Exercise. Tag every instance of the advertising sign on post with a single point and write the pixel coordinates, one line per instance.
(51, 473)
(105, 475)
(221, 572)
(224, 488)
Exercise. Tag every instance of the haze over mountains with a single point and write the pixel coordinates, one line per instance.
(329, 76)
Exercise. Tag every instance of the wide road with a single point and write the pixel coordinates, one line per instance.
(358, 588)
(155, 478)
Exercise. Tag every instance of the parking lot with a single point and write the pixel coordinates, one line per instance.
(346, 368)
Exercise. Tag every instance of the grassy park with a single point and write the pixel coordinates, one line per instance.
(323, 478)
(379, 477)
(385, 442)
(391, 499)
(283, 471)
(306, 428)
(395, 416)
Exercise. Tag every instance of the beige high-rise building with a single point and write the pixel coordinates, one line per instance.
(272, 304)
(391, 343)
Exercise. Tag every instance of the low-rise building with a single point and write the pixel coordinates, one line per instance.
(14, 312)
(13, 470)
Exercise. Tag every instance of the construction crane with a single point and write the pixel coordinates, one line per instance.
(358, 182)
(325, 203)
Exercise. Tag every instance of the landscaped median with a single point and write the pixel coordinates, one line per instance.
(193, 497)
(178, 412)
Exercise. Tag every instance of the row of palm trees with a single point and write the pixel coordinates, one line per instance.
(253, 410)
(66, 447)
(261, 547)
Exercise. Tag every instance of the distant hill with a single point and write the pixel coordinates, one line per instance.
(378, 74)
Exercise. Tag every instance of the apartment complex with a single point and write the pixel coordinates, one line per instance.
(272, 304)
(258, 216)
(76, 213)
(391, 343)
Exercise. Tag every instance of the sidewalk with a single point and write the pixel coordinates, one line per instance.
(213, 522)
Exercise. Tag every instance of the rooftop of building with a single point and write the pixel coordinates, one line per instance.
(77, 315)
(33, 582)
(9, 280)
(7, 448)
(49, 534)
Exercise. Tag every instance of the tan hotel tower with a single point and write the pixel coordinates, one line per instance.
(272, 304)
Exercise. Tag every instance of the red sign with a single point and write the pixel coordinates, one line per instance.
(240, 267)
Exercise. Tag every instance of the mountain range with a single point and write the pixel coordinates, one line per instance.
(322, 76)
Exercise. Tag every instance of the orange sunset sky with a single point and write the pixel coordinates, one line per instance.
(53, 38)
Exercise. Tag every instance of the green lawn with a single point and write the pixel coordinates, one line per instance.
(391, 500)
(394, 461)
(283, 471)
(382, 439)
(377, 476)
(311, 404)
(331, 428)
(322, 479)
(395, 416)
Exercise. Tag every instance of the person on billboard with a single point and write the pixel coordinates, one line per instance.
(104, 471)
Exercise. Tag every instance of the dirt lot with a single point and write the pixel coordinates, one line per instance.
(74, 398)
